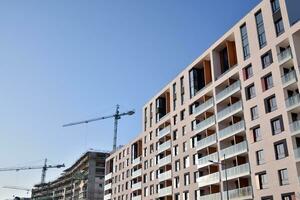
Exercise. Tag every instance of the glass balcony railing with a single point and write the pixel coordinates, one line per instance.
(164, 146)
(107, 197)
(292, 101)
(234, 150)
(136, 173)
(235, 172)
(108, 176)
(165, 175)
(295, 127)
(240, 193)
(204, 161)
(215, 196)
(297, 153)
(107, 186)
(285, 56)
(136, 186)
(230, 90)
(289, 78)
(208, 179)
(165, 131)
(205, 142)
(226, 112)
(137, 161)
(232, 130)
(139, 197)
(167, 191)
(204, 106)
(164, 161)
(201, 126)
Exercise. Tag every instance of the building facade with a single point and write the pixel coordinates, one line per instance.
(227, 127)
(83, 180)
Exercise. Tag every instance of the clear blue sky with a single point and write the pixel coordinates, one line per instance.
(65, 60)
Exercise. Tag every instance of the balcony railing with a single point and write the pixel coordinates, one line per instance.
(167, 191)
(230, 90)
(289, 78)
(139, 197)
(136, 173)
(204, 161)
(107, 186)
(165, 175)
(295, 127)
(292, 101)
(240, 193)
(204, 106)
(164, 161)
(215, 196)
(164, 131)
(297, 153)
(234, 150)
(108, 176)
(137, 161)
(107, 197)
(226, 112)
(201, 126)
(208, 179)
(164, 146)
(232, 130)
(285, 56)
(235, 172)
(136, 186)
(205, 142)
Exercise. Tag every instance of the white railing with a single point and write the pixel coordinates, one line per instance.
(137, 161)
(165, 191)
(231, 89)
(205, 142)
(107, 186)
(284, 56)
(208, 179)
(164, 117)
(107, 197)
(234, 172)
(139, 197)
(164, 161)
(297, 153)
(204, 106)
(240, 193)
(165, 131)
(288, 78)
(232, 130)
(215, 196)
(165, 175)
(229, 110)
(164, 146)
(108, 176)
(136, 173)
(205, 124)
(292, 101)
(205, 161)
(295, 126)
(234, 150)
(136, 186)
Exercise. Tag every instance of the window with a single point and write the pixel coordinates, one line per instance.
(267, 59)
(260, 157)
(279, 27)
(186, 162)
(260, 29)
(280, 150)
(254, 113)
(248, 72)
(177, 165)
(183, 130)
(182, 90)
(289, 196)
(177, 196)
(175, 150)
(186, 195)
(145, 118)
(267, 198)
(174, 96)
(270, 104)
(187, 179)
(277, 125)
(262, 179)
(245, 43)
(175, 135)
(275, 5)
(175, 119)
(267, 82)
(176, 182)
(256, 134)
(182, 115)
(184, 146)
(283, 177)
(250, 92)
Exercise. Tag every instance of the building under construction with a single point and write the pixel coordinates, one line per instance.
(83, 180)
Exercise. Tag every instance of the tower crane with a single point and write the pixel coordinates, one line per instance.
(44, 168)
(117, 116)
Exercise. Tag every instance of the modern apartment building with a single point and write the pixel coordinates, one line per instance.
(84, 180)
(228, 125)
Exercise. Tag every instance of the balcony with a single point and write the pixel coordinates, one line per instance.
(297, 154)
(292, 102)
(231, 110)
(139, 197)
(164, 131)
(204, 106)
(167, 191)
(107, 197)
(136, 173)
(215, 196)
(208, 179)
(165, 175)
(204, 161)
(164, 146)
(136, 186)
(234, 150)
(289, 78)
(235, 172)
(205, 142)
(227, 92)
(164, 161)
(232, 130)
(295, 127)
(108, 176)
(137, 161)
(240, 193)
(201, 126)
(285, 56)
(107, 186)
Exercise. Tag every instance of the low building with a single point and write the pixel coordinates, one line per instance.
(83, 180)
